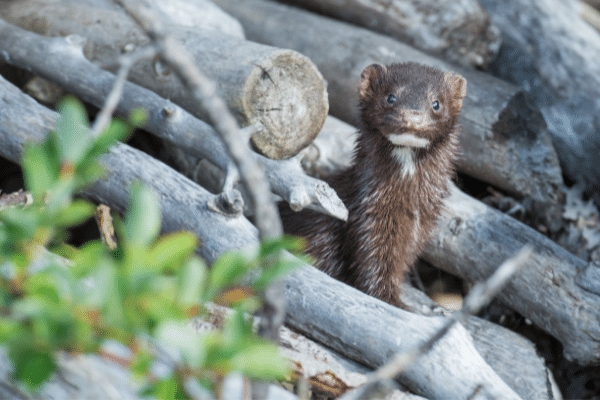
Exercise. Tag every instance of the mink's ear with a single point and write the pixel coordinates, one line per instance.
(458, 87)
(367, 77)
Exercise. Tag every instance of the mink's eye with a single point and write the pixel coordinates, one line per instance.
(391, 99)
(435, 105)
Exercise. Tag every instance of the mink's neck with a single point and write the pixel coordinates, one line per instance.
(378, 180)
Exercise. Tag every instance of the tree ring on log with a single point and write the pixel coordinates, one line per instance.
(287, 95)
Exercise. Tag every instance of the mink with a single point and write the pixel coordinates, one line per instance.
(395, 186)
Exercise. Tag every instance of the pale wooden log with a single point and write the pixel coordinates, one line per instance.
(184, 204)
(472, 239)
(503, 139)
(63, 63)
(554, 56)
(367, 330)
(281, 89)
(459, 31)
(198, 13)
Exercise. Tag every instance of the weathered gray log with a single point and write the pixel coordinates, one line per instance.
(367, 330)
(331, 150)
(555, 56)
(472, 239)
(328, 373)
(281, 89)
(503, 139)
(198, 13)
(63, 63)
(459, 31)
(184, 204)
(512, 356)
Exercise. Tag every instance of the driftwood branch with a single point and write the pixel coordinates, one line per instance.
(503, 138)
(280, 89)
(328, 373)
(459, 31)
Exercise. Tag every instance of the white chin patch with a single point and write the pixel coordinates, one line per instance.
(408, 140)
(406, 158)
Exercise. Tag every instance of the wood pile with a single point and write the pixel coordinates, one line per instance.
(288, 74)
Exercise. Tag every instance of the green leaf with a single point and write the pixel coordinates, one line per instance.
(118, 130)
(72, 131)
(238, 327)
(191, 281)
(39, 171)
(8, 329)
(88, 172)
(138, 117)
(168, 389)
(292, 244)
(260, 360)
(76, 213)
(88, 257)
(142, 220)
(273, 272)
(32, 366)
(226, 270)
(170, 250)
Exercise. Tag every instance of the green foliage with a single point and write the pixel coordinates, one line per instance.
(147, 287)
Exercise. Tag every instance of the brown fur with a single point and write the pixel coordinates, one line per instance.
(391, 210)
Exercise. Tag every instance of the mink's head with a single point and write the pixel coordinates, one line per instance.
(412, 105)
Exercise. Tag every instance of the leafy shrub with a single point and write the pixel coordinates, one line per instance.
(140, 294)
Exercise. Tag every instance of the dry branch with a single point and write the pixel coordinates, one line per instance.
(280, 89)
(503, 139)
(459, 31)
(328, 373)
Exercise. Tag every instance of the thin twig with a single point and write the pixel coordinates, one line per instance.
(112, 100)
(481, 294)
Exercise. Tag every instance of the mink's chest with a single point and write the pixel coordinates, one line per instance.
(388, 215)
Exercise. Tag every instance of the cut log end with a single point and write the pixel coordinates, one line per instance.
(287, 94)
